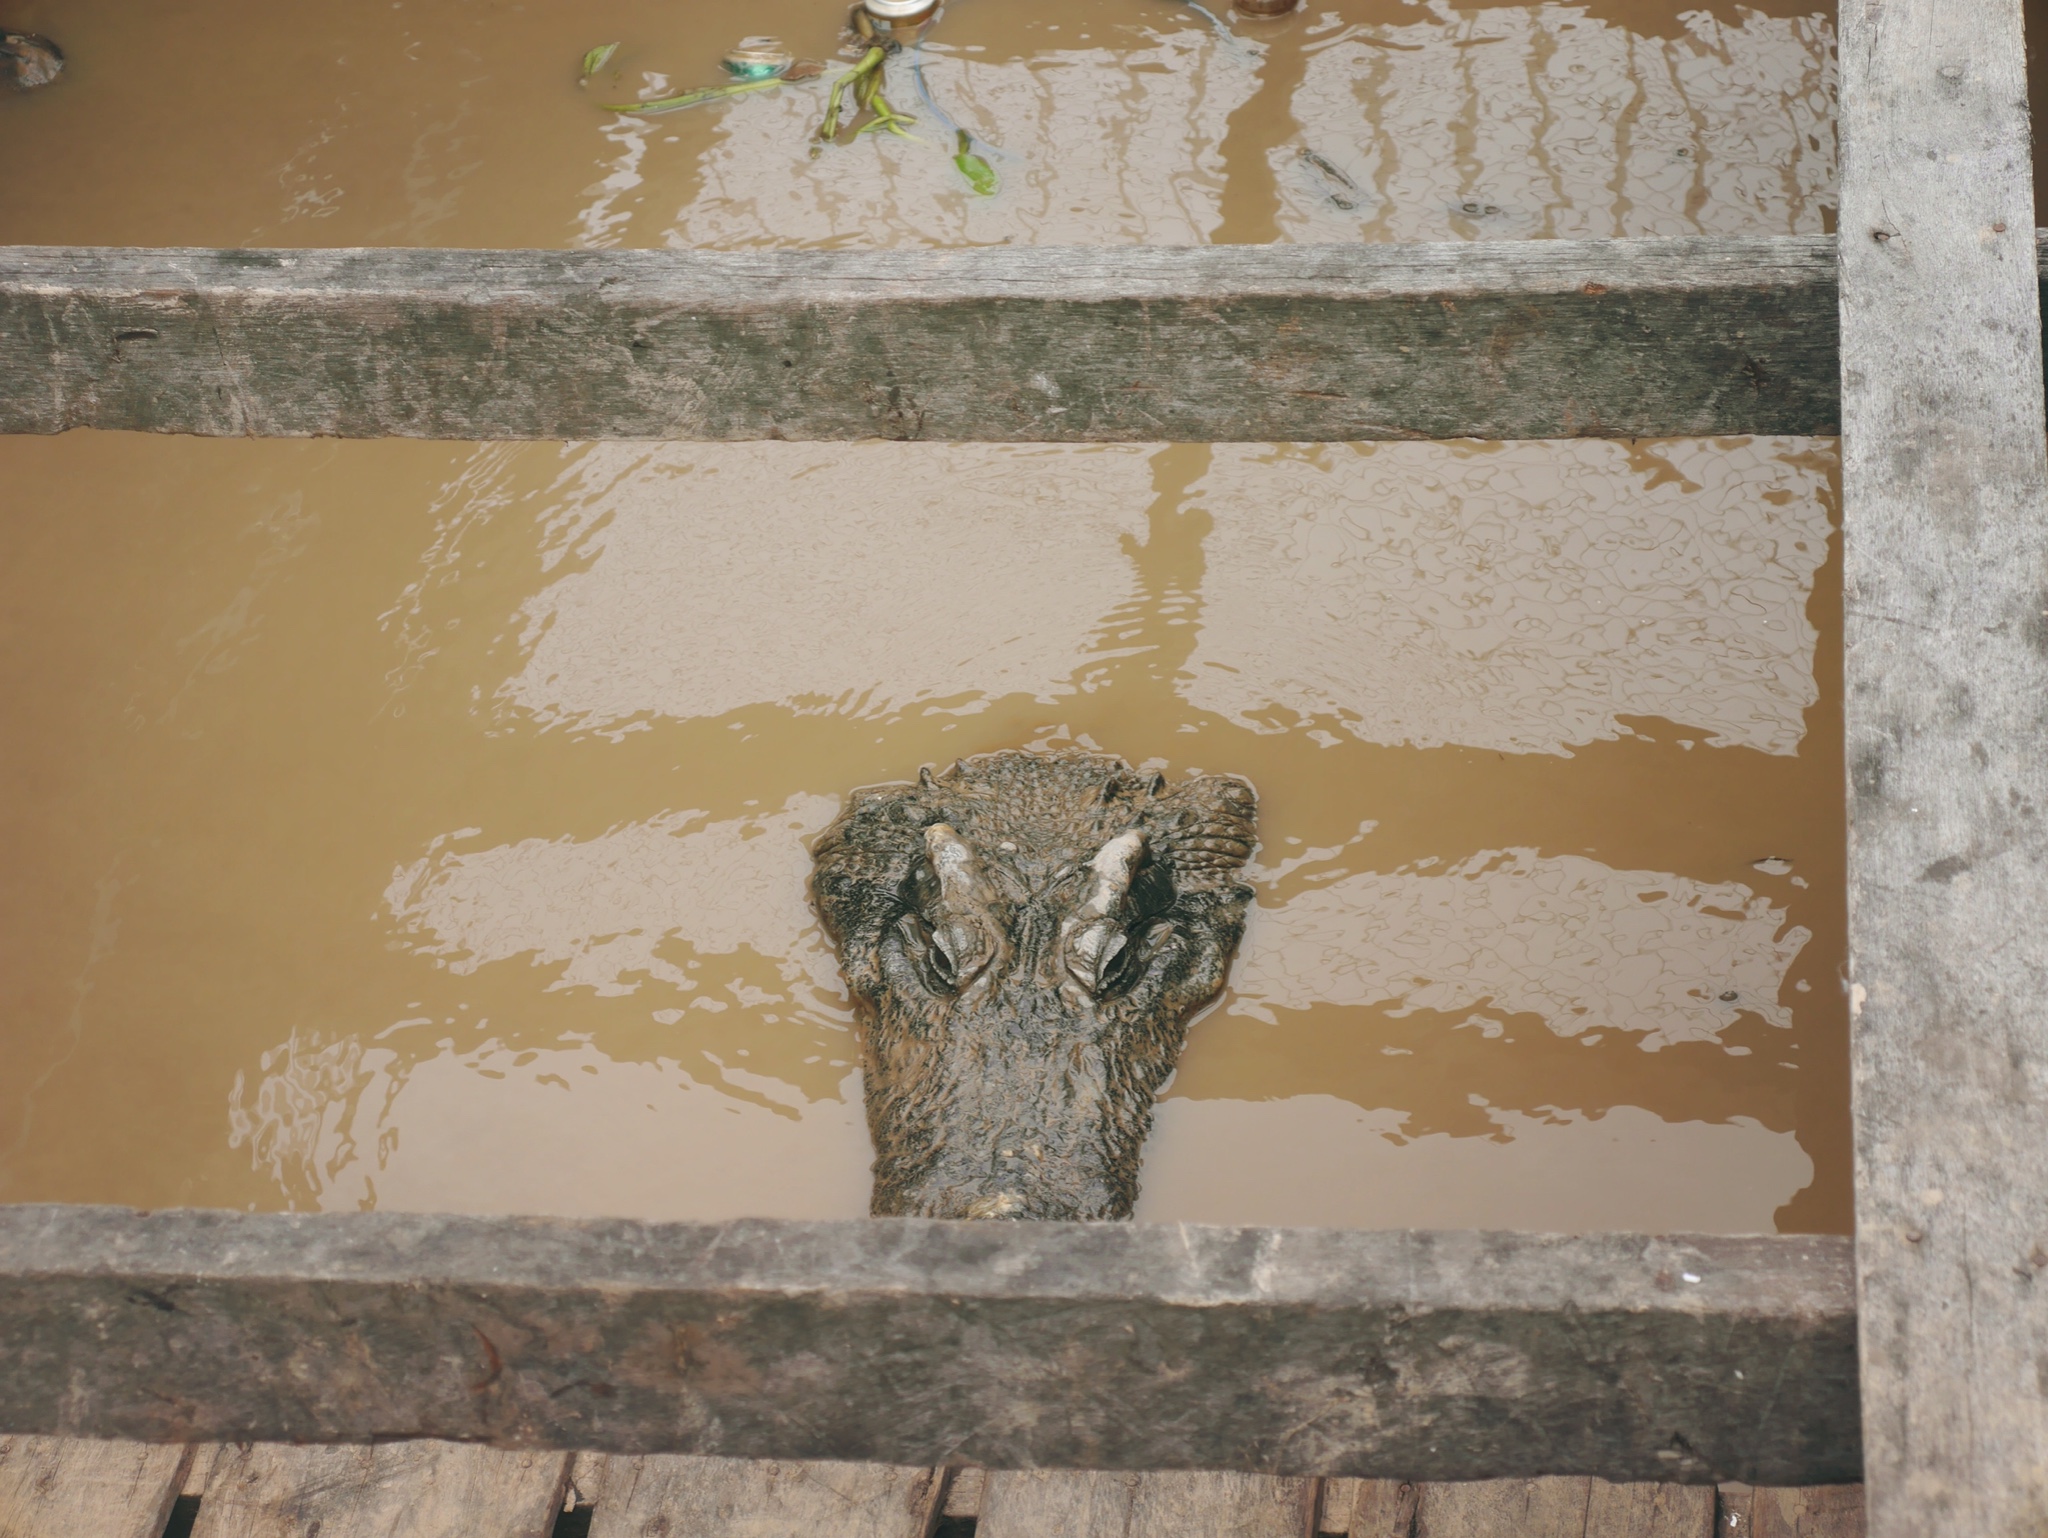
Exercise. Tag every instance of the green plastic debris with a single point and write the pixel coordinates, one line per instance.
(598, 58)
(981, 176)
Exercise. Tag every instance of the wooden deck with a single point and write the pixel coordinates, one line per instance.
(65, 1488)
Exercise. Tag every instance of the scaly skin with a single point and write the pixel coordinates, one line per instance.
(1026, 937)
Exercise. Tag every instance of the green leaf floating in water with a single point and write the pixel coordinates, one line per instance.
(599, 57)
(692, 98)
(981, 176)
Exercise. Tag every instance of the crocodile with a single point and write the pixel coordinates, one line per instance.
(1025, 938)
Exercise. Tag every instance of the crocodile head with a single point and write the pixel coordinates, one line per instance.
(1025, 938)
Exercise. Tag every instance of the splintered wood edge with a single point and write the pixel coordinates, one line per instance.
(1411, 1355)
(1509, 339)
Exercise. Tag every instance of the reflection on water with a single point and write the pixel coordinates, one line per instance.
(487, 1130)
(1514, 122)
(425, 825)
(1527, 597)
(850, 578)
(1503, 933)
(1560, 1171)
(372, 844)
(368, 122)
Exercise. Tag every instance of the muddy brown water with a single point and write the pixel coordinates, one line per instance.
(424, 825)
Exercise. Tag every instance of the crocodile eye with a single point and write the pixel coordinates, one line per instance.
(947, 956)
(1120, 965)
(1093, 954)
(1105, 957)
(940, 959)
(934, 968)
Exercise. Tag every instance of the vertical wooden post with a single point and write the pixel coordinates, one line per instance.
(1945, 473)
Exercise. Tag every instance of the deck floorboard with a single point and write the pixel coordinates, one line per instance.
(1032, 1503)
(1820, 1511)
(53, 1487)
(62, 1487)
(652, 1496)
(418, 1489)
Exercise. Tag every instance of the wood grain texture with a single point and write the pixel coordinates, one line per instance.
(59, 1487)
(1334, 1505)
(737, 1498)
(1018, 1345)
(1504, 1508)
(1504, 339)
(1817, 1511)
(586, 1473)
(1649, 1511)
(963, 1493)
(1034, 1503)
(198, 1467)
(1381, 1508)
(418, 1489)
(1945, 484)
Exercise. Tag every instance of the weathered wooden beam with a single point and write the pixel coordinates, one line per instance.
(1945, 480)
(1511, 339)
(1407, 1355)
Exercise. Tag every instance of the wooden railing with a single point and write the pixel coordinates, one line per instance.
(1008, 1345)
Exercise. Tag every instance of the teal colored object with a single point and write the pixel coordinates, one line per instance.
(757, 58)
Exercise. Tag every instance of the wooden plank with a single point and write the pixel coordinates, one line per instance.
(1381, 1508)
(1816, 1511)
(1504, 1508)
(963, 1493)
(1034, 1503)
(1385, 1508)
(735, 1498)
(1018, 1345)
(1649, 1511)
(52, 1487)
(1339, 1496)
(1945, 483)
(1500, 339)
(586, 1473)
(198, 1467)
(422, 1489)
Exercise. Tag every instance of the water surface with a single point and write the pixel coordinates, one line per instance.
(424, 825)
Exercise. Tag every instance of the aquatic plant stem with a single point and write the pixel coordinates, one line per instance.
(866, 80)
(870, 62)
(693, 98)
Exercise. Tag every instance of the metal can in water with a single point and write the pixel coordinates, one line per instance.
(758, 58)
(896, 16)
(28, 61)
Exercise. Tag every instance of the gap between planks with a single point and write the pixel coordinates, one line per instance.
(70, 1488)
